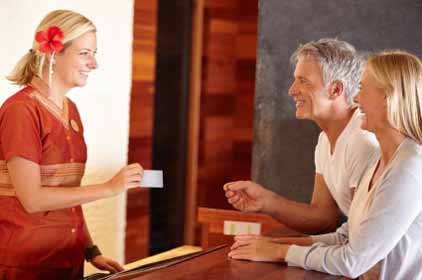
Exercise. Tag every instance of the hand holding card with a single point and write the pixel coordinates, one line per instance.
(152, 179)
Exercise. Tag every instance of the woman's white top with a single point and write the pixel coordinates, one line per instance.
(383, 236)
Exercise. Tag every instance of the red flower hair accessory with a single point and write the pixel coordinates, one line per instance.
(50, 40)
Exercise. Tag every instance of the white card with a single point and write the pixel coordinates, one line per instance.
(152, 179)
(236, 227)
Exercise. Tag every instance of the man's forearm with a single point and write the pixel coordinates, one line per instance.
(300, 216)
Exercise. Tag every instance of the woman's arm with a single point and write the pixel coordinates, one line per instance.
(302, 241)
(99, 261)
(267, 248)
(339, 237)
(26, 179)
(396, 204)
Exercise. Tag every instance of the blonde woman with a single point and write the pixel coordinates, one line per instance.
(382, 238)
(42, 158)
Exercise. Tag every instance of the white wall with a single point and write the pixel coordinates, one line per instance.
(103, 103)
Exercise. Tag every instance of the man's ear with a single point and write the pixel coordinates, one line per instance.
(336, 89)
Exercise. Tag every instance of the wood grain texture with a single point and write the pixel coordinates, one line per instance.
(226, 116)
(212, 225)
(226, 121)
(216, 265)
(141, 124)
(193, 126)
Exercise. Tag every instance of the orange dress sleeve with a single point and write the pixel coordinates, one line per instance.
(20, 132)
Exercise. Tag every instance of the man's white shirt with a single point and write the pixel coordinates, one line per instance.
(354, 151)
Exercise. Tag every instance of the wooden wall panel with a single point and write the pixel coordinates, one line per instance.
(141, 124)
(228, 75)
(226, 120)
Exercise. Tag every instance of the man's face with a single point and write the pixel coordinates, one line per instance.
(308, 89)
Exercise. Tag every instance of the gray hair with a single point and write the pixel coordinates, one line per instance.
(339, 61)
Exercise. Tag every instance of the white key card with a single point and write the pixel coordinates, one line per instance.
(152, 179)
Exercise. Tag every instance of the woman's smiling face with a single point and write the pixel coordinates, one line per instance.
(372, 102)
(74, 64)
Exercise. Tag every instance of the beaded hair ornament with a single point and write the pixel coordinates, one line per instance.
(50, 42)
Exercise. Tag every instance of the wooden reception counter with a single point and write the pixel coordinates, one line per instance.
(214, 264)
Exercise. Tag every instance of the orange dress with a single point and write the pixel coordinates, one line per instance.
(51, 244)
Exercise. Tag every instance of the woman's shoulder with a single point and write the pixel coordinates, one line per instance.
(71, 103)
(72, 106)
(22, 98)
(410, 149)
(409, 159)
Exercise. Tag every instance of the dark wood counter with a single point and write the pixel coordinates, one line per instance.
(216, 265)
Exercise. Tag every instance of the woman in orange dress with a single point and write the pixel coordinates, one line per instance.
(43, 234)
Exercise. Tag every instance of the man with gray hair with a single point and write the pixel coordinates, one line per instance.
(326, 79)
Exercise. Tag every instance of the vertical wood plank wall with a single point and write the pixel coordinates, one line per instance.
(227, 98)
(141, 123)
(226, 120)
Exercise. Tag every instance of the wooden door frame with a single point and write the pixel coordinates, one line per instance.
(193, 126)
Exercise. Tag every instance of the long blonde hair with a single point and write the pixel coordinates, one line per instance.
(72, 24)
(400, 75)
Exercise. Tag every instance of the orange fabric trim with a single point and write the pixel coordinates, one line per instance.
(41, 94)
(7, 190)
(4, 177)
(64, 174)
(61, 115)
